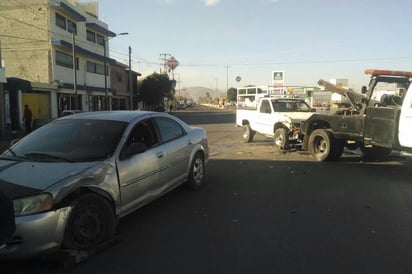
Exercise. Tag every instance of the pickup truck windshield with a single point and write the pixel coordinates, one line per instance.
(290, 106)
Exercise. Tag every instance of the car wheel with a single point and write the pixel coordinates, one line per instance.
(324, 147)
(197, 172)
(91, 223)
(281, 139)
(248, 133)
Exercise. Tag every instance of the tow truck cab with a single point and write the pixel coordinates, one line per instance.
(380, 119)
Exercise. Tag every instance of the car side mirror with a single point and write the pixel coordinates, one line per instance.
(133, 149)
(364, 89)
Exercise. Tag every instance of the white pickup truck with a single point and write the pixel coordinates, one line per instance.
(279, 118)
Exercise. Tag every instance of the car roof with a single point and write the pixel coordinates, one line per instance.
(116, 115)
(288, 100)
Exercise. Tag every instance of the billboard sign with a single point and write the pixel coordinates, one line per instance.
(172, 63)
(278, 78)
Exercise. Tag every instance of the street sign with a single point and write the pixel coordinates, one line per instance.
(172, 63)
(278, 78)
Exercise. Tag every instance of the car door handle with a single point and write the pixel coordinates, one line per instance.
(189, 142)
(159, 154)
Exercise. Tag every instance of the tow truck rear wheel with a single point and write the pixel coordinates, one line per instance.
(323, 146)
(281, 139)
(375, 152)
(248, 133)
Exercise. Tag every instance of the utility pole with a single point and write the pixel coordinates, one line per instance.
(107, 105)
(106, 99)
(76, 101)
(2, 109)
(227, 77)
(130, 78)
(163, 57)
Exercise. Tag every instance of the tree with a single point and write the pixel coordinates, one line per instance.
(231, 95)
(154, 89)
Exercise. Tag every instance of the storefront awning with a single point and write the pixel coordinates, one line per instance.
(100, 29)
(15, 84)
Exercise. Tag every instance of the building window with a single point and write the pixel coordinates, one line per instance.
(60, 21)
(95, 68)
(91, 36)
(100, 69)
(71, 27)
(66, 60)
(100, 39)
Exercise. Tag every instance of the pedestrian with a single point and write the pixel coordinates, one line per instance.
(27, 118)
(7, 222)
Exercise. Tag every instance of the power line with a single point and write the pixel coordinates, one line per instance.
(301, 62)
(23, 38)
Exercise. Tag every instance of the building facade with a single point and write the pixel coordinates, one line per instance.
(123, 92)
(61, 47)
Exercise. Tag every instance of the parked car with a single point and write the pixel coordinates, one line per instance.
(181, 106)
(74, 178)
(70, 112)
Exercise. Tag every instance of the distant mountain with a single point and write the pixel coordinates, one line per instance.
(196, 92)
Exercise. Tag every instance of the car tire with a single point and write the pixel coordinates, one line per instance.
(196, 172)
(281, 139)
(324, 147)
(248, 133)
(91, 223)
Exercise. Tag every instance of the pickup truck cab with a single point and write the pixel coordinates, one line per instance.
(279, 118)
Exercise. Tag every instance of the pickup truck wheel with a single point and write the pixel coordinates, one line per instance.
(248, 133)
(324, 147)
(375, 152)
(281, 139)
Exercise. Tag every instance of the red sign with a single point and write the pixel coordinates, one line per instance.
(172, 63)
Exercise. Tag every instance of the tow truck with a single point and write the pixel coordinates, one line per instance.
(378, 121)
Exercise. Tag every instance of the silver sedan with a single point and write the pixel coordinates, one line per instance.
(74, 178)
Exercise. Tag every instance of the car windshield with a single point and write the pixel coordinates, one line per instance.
(290, 106)
(70, 140)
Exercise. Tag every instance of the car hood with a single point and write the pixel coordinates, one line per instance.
(298, 117)
(22, 178)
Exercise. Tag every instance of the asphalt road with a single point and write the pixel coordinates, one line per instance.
(266, 212)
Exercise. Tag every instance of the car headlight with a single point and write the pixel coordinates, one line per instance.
(32, 205)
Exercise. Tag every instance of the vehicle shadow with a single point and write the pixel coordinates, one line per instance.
(270, 199)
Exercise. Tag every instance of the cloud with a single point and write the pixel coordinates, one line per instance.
(210, 3)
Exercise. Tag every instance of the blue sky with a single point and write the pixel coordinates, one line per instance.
(217, 40)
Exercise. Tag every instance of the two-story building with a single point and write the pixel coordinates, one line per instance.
(60, 47)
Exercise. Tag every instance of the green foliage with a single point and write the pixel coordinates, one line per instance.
(231, 95)
(154, 89)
